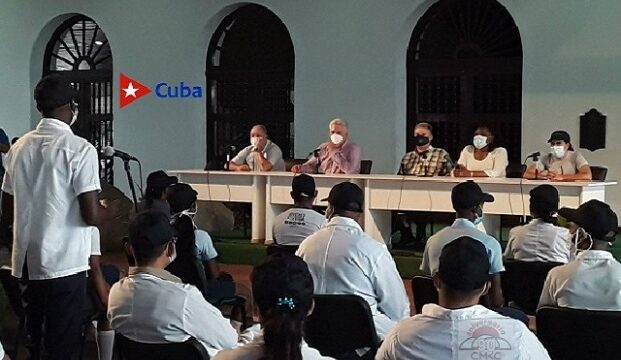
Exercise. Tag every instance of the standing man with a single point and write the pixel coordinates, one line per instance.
(51, 185)
(261, 155)
(337, 156)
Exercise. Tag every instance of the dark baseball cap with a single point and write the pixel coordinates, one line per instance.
(346, 196)
(464, 264)
(151, 229)
(560, 135)
(545, 197)
(181, 196)
(160, 180)
(53, 91)
(595, 217)
(468, 195)
(303, 187)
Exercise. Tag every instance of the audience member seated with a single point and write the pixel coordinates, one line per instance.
(468, 200)
(156, 193)
(337, 156)
(592, 281)
(345, 260)
(482, 158)
(540, 239)
(261, 155)
(151, 305)
(296, 224)
(563, 163)
(282, 288)
(459, 328)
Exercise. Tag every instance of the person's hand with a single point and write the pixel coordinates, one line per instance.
(462, 172)
(244, 167)
(113, 207)
(556, 177)
(296, 168)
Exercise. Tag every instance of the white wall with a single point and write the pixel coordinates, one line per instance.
(350, 62)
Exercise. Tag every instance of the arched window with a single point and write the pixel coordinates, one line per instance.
(80, 51)
(464, 67)
(250, 70)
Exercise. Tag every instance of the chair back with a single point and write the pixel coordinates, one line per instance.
(570, 334)
(281, 249)
(424, 292)
(599, 172)
(191, 349)
(523, 281)
(340, 324)
(515, 170)
(365, 166)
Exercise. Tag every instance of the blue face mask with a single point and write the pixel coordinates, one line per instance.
(479, 141)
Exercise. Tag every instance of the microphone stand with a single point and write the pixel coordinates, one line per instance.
(130, 180)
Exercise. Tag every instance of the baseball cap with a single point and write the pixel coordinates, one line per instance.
(595, 217)
(464, 264)
(467, 195)
(545, 197)
(560, 135)
(303, 187)
(160, 180)
(151, 229)
(181, 196)
(53, 91)
(346, 196)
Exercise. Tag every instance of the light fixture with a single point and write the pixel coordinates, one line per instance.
(98, 42)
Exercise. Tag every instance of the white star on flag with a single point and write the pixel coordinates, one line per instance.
(130, 90)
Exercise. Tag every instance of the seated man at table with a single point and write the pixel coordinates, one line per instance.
(593, 280)
(337, 156)
(291, 227)
(261, 155)
(151, 305)
(458, 327)
(468, 200)
(343, 259)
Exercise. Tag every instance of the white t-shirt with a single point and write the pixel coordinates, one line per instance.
(205, 250)
(1, 352)
(474, 332)
(494, 164)
(461, 227)
(592, 281)
(46, 171)
(343, 259)
(272, 153)
(568, 165)
(538, 241)
(296, 224)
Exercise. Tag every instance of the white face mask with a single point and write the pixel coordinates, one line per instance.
(580, 236)
(558, 151)
(74, 118)
(479, 141)
(254, 140)
(478, 220)
(172, 257)
(336, 138)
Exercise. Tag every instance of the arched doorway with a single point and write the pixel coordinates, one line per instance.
(80, 50)
(250, 78)
(464, 67)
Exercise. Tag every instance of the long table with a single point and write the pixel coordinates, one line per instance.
(268, 192)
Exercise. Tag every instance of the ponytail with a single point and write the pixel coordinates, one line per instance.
(282, 334)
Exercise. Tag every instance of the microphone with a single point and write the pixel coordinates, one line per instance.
(534, 155)
(109, 151)
(314, 153)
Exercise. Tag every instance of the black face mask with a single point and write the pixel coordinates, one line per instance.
(421, 140)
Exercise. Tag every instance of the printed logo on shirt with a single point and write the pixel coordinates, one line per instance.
(485, 340)
(131, 90)
(295, 219)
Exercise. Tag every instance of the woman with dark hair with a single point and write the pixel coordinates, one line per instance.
(282, 288)
(540, 239)
(482, 158)
(155, 194)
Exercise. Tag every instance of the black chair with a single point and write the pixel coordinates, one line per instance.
(424, 292)
(523, 281)
(127, 349)
(281, 249)
(514, 170)
(340, 324)
(570, 334)
(599, 172)
(365, 166)
(13, 291)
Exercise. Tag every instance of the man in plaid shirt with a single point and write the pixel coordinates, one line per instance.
(425, 160)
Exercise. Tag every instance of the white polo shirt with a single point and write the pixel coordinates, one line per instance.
(592, 281)
(153, 306)
(45, 172)
(474, 332)
(205, 250)
(461, 227)
(296, 224)
(539, 241)
(271, 152)
(344, 260)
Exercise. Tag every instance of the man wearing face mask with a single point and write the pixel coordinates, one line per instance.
(261, 155)
(50, 195)
(593, 280)
(337, 156)
(563, 163)
(425, 160)
(468, 200)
